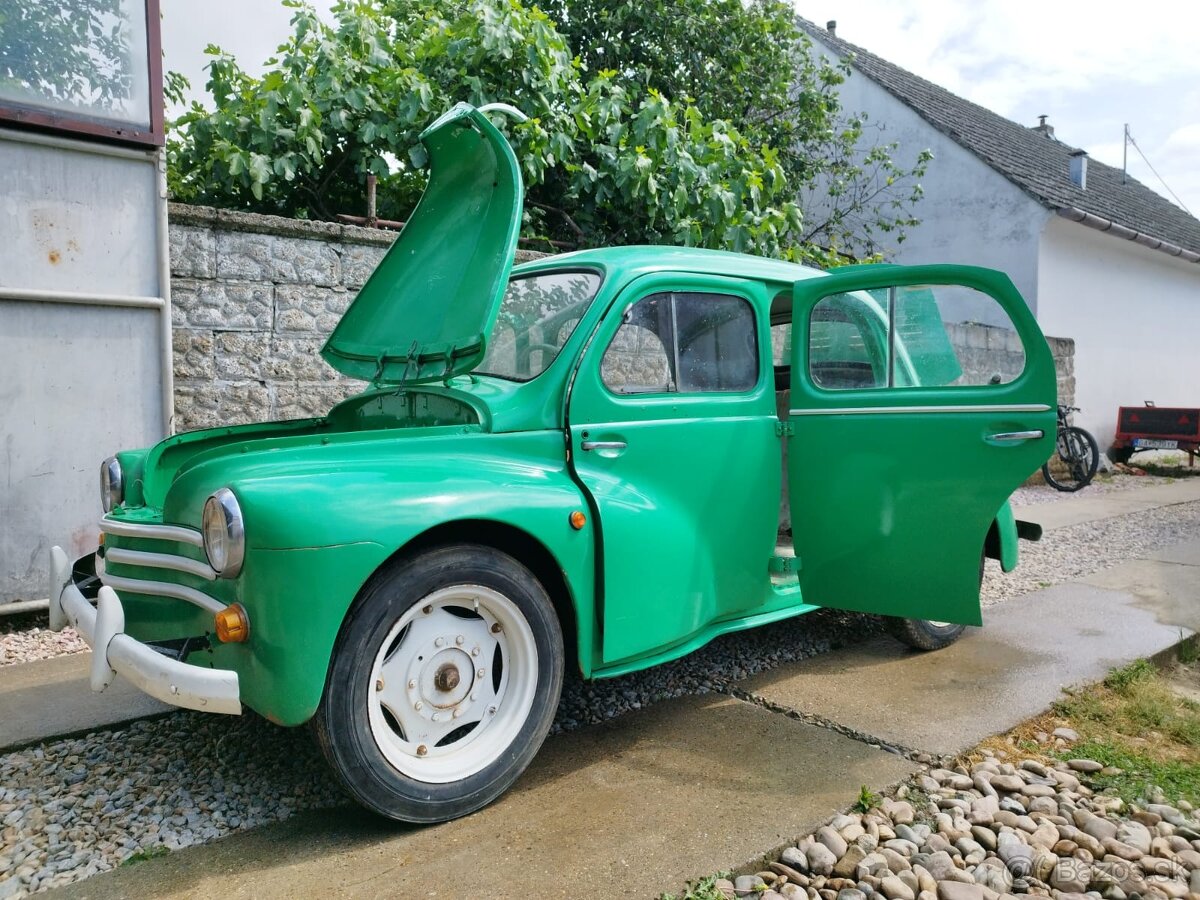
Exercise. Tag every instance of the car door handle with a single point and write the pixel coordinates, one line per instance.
(603, 445)
(1017, 435)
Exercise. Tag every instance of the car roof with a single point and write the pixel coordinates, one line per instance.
(640, 259)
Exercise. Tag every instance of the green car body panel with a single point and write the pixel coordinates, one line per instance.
(681, 491)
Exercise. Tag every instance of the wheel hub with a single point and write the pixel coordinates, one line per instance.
(445, 679)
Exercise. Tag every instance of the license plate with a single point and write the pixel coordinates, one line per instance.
(1152, 444)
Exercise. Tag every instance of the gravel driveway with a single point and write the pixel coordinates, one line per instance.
(72, 808)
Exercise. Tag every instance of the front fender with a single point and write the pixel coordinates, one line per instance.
(315, 537)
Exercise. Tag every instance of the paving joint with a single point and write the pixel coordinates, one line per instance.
(820, 721)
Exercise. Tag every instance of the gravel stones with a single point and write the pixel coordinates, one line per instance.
(832, 840)
(1065, 843)
(821, 859)
(25, 638)
(72, 808)
(1085, 765)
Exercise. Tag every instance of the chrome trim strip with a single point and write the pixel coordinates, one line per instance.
(161, 561)
(962, 408)
(178, 591)
(152, 532)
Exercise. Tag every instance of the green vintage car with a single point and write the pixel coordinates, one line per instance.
(602, 459)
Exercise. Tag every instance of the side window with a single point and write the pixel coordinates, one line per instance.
(683, 343)
(913, 336)
(848, 343)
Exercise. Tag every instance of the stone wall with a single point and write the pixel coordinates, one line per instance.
(254, 297)
(985, 350)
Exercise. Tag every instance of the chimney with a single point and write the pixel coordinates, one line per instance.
(831, 27)
(1078, 169)
(1042, 128)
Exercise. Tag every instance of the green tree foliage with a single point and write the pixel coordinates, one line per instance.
(68, 52)
(615, 151)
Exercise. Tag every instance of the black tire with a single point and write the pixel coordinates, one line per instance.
(1079, 458)
(1121, 454)
(342, 724)
(924, 634)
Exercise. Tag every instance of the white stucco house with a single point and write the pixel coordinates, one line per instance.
(1099, 257)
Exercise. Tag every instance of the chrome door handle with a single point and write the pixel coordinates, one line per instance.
(603, 445)
(1017, 435)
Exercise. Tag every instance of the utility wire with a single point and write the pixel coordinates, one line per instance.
(1129, 137)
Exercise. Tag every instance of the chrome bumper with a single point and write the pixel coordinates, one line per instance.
(114, 652)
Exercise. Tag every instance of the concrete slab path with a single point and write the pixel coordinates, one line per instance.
(51, 697)
(991, 679)
(647, 801)
(1090, 508)
(631, 808)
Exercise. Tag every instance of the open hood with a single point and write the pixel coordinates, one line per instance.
(427, 309)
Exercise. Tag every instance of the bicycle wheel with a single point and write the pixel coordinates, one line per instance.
(1076, 458)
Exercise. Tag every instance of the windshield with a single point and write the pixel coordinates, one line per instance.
(537, 316)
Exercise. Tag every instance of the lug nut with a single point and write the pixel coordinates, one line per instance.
(496, 629)
(436, 718)
(459, 640)
(457, 712)
(422, 750)
(379, 684)
(491, 710)
(438, 642)
(480, 673)
(427, 610)
(412, 684)
(418, 706)
(474, 651)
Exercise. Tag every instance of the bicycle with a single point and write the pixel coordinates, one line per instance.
(1075, 451)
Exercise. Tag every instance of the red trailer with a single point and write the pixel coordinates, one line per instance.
(1152, 427)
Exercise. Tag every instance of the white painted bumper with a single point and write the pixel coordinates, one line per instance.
(113, 651)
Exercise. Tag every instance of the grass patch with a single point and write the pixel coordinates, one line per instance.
(866, 799)
(1166, 471)
(141, 856)
(704, 889)
(1143, 722)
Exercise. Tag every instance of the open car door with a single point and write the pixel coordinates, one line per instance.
(921, 397)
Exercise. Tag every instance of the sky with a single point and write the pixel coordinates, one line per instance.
(1091, 68)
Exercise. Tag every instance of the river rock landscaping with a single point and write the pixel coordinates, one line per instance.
(1032, 813)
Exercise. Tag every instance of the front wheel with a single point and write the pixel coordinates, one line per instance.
(1076, 458)
(443, 684)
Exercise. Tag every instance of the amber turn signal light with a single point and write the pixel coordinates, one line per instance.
(233, 626)
(577, 520)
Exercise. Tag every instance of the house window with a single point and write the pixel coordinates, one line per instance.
(86, 67)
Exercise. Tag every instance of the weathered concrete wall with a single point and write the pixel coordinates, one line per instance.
(1135, 314)
(969, 213)
(254, 298)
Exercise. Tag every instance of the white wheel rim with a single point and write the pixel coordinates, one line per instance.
(437, 710)
(936, 624)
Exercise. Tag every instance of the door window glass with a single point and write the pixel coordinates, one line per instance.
(683, 343)
(912, 336)
(847, 341)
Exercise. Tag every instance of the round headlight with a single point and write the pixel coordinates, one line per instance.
(112, 484)
(224, 535)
